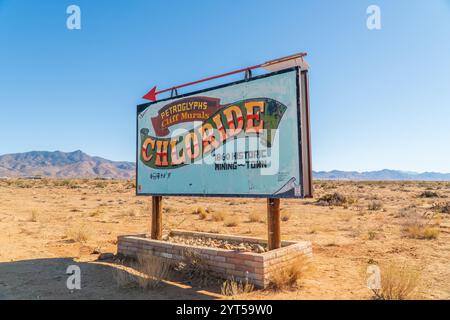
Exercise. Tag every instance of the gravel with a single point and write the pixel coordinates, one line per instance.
(217, 243)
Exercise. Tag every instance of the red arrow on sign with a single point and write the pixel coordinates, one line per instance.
(151, 95)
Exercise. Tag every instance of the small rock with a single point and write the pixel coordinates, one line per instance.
(106, 256)
(259, 248)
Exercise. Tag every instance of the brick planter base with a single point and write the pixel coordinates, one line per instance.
(256, 267)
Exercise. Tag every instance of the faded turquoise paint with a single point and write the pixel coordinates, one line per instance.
(274, 171)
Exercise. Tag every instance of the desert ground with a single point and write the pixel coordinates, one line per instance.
(47, 225)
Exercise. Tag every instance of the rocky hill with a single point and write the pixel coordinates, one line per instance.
(63, 165)
(381, 175)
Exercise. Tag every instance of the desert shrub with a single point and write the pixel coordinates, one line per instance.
(334, 199)
(407, 211)
(73, 185)
(131, 184)
(422, 232)
(195, 268)
(375, 205)
(372, 235)
(329, 186)
(100, 184)
(231, 222)
(232, 287)
(429, 194)
(22, 184)
(78, 234)
(417, 227)
(153, 270)
(255, 217)
(150, 271)
(441, 207)
(199, 211)
(218, 216)
(202, 215)
(285, 216)
(290, 276)
(62, 183)
(398, 282)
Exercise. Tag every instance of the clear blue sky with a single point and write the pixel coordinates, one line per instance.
(380, 99)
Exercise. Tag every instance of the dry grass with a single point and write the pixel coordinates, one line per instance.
(375, 205)
(153, 271)
(34, 215)
(65, 183)
(202, 215)
(231, 222)
(371, 235)
(290, 276)
(148, 274)
(398, 282)
(199, 211)
(234, 287)
(255, 217)
(194, 268)
(100, 184)
(218, 216)
(417, 227)
(422, 232)
(406, 212)
(78, 234)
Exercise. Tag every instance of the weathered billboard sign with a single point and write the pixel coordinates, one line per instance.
(248, 138)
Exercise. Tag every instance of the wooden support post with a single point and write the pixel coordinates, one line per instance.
(156, 217)
(273, 223)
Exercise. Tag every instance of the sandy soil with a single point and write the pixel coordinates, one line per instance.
(48, 225)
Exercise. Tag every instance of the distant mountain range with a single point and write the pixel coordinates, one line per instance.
(59, 164)
(78, 164)
(381, 175)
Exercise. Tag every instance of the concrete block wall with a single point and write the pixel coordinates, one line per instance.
(256, 267)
